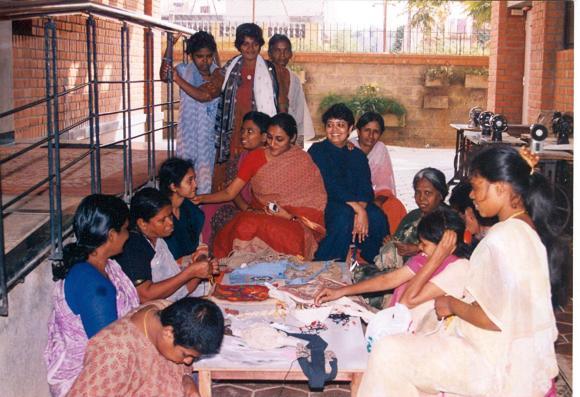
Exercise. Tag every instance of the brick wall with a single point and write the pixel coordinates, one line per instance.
(547, 40)
(550, 80)
(564, 84)
(506, 63)
(397, 76)
(29, 73)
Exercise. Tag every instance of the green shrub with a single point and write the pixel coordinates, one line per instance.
(331, 99)
(366, 99)
(443, 73)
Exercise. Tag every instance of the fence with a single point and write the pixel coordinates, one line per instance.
(315, 37)
(92, 100)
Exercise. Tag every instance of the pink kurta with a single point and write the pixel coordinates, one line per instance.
(382, 175)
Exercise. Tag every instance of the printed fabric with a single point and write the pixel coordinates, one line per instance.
(67, 339)
(196, 139)
(121, 361)
(294, 182)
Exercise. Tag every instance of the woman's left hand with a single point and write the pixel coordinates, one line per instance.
(443, 306)
(360, 229)
(282, 213)
(447, 245)
(189, 387)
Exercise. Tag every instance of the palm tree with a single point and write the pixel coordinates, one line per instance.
(479, 10)
(426, 13)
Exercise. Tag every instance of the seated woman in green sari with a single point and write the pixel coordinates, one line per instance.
(430, 192)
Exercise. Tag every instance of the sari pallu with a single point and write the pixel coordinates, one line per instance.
(293, 181)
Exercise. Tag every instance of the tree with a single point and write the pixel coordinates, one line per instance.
(479, 10)
(427, 13)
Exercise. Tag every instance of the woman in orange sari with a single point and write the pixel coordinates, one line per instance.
(287, 209)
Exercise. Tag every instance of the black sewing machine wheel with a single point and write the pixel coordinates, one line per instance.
(562, 208)
(560, 175)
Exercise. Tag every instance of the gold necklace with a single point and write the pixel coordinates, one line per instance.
(516, 214)
(145, 323)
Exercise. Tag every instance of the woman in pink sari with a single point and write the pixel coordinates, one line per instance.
(287, 208)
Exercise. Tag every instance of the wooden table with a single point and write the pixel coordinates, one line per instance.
(465, 137)
(347, 345)
(346, 342)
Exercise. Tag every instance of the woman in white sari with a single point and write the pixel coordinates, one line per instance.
(499, 339)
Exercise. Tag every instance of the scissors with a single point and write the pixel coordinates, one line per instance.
(353, 261)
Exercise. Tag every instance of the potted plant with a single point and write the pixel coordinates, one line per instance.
(439, 76)
(476, 78)
(331, 99)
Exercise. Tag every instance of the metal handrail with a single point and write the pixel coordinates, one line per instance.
(54, 132)
(25, 10)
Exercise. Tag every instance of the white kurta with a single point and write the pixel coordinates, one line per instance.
(508, 277)
(298, 108)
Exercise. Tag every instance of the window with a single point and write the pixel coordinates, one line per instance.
(569, 25)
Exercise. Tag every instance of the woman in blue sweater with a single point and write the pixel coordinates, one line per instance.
(350, 215)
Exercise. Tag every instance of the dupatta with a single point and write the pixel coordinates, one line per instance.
(293, 181)
(265, 99)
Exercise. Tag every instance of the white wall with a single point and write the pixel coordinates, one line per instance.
(23, 336)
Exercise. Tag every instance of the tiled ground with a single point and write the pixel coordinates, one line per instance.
(266, 389)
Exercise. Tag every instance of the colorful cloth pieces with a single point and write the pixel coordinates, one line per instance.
(259, 273)
(241, 293)
(290, 272)
(305, 293)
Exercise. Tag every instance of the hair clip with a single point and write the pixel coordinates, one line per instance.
(531, 158)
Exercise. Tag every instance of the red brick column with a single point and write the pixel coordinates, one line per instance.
(564, 89)
(547, 40)
(506, 63)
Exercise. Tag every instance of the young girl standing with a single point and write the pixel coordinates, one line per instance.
(500, 337)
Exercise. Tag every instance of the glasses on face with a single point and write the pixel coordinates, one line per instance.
(337, 124)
